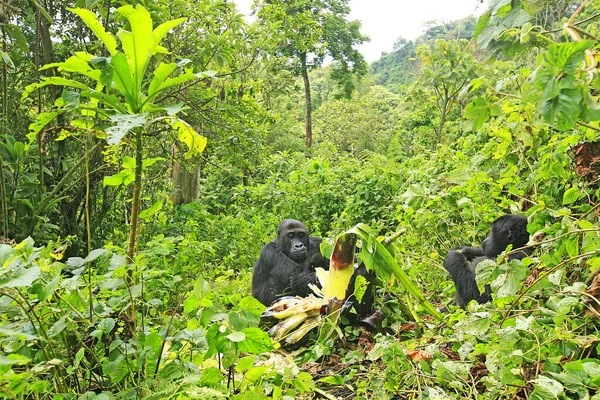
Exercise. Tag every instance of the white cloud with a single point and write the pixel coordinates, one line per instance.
(384, 21)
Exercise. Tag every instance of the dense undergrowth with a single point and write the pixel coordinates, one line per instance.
(169, 314)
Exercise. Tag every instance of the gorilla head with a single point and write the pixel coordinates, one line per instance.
(461, 261)
(506, 230)
(293, 239)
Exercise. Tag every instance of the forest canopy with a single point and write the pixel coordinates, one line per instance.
(148, 152)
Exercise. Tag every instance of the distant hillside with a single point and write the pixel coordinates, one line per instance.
(395, 69)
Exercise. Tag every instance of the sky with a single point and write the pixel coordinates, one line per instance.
(384, 21)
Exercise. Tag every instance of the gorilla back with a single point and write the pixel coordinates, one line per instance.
(461, 261)
(284, 265)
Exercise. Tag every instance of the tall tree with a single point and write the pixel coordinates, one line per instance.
(446, 67)
(311, 31)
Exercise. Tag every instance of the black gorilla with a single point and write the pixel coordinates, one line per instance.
(286, 265)
(461, 261)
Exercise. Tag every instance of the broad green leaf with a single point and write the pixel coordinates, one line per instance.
(546, 388)
(477, 111)
(591, 109)
(79, 63)
(159, 33)
(49, 289)
(123, 79)
(189, 136)
(19, 335)
(562, 111)
(236, 336)
(142, 43)
(245, 363)
(161, 73)
(106, 99)
(150, 161)
(188, 75)
(7, 60)
(95, 254)
(41, 120)
(382, 262)
(21, 277)
(128, 162)
(90, 19)
(58, 327)
(138, 44)
(256, 341)
(14, 359)
(567, 56)
(116, 370)
(571, 195)
(53, 80)
(123, 124)
(152, 210)
(122, 178)
(572, 246)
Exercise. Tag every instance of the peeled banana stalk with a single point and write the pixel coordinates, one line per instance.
(299, 315)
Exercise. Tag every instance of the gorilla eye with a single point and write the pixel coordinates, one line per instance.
(290, 235)
(301, 235)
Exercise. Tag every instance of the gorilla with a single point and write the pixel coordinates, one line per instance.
(461, 261)
(286, 265)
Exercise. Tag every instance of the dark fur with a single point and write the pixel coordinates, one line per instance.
(286, 265)
(461, 261)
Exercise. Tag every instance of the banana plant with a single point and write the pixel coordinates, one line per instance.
(123, 93)
(300, 315)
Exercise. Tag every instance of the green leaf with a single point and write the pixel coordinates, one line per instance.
(13, 359)
(572, 246)
(256, 341)
(123, 124)
(21, 277)
(41, 120)
(571, 195)
(189, 136)
(58, 327)
(151, 161)
(48, 289)
(477, 111)
(95, 254)
(79, 63)
(152, 210)
(546, 388)
(122, 178)
(123, 79)
(563, 110)
(332, 380)
(382, 262)
(161, 73)
(19, 335)
(236, 336)
(142, 43)
(567, 56)
(117, 370)
(211, 376)
(53, 80)
(89, 18)
(591, 109)
(128, 162)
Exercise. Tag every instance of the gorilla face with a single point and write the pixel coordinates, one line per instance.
(293, 239)
(506, 230)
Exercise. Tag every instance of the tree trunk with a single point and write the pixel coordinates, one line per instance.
(137, 197)
(308, 112)
(184, 182)
(442, 121)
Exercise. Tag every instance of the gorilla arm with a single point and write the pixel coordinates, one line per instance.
(463, 275)
(272, 273)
